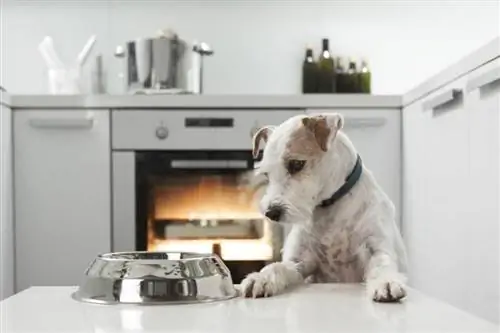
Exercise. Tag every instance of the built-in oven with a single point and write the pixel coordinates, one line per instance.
(183, 181)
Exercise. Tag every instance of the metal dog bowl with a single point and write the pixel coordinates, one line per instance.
(155, 278)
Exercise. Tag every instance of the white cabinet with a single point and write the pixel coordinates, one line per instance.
(450, 182)
(62, 194)
(483, 98)
(6, 220)
(376, 134)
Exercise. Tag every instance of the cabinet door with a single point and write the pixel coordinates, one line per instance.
(6, 220)
(376, 134)
(437, 191)
(482, 260)
(62, 194)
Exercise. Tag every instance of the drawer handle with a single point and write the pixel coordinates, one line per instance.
(483, 80)
(62, 123)
(442, 99)
(364, 122)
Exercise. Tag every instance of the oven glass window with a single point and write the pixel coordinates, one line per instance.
(207, 210)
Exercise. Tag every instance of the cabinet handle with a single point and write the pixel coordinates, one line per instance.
(442, 99)
(364, 122)
(482, 80)
(62, 123)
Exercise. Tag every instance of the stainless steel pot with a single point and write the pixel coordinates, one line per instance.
(163, 64)
(155, 278)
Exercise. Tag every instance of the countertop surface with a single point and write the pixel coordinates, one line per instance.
(312, 101)
(310, 308)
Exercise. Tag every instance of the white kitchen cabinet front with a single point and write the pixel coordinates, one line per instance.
(436, 190)
(62, 194)
(6, 220)
(450, 183)
(483, 259)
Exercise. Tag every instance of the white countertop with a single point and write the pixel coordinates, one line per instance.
(205, 101)
(311, 308)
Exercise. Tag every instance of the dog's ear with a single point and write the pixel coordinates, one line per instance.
(262, 134)
(324, 127)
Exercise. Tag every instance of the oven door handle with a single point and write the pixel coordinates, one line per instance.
(209, 164)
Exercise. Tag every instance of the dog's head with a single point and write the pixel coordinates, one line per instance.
(294, 162)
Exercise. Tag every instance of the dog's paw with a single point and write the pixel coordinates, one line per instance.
(387, 290)
(271, 280)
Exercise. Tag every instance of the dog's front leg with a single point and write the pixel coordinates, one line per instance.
(297, 264)
(384, 282)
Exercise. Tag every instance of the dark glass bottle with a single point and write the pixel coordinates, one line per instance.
(309, 73)
(365, 78)
(340, 75)
(352, 81)
(326, 72)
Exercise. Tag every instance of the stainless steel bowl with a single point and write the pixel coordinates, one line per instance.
(155, 278)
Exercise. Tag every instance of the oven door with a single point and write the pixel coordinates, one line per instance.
(193, 201)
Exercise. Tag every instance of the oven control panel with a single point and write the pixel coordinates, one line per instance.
(191, 129)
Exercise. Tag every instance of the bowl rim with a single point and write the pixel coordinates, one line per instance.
(114, 256)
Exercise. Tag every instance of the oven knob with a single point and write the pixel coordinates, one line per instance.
(161, 132)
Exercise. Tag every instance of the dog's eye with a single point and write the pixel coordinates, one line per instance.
(294, 166)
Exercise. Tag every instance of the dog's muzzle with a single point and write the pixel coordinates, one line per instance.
(274, 213)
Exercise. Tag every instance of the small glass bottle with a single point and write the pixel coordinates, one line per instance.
(365, 77)
(352, 76)
(340, 75)
(309, 73)
(326, 72)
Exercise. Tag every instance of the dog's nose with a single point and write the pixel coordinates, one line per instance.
(274, 213)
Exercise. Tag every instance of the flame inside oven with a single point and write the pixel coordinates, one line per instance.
(194, 212)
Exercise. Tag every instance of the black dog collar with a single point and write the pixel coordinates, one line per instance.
(350, 181)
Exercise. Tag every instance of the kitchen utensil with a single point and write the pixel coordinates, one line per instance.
(163, 63)
(84, 53)
(64, 79)
(46, 48)
(155, 278)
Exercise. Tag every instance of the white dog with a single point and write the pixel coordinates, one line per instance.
(343, 224)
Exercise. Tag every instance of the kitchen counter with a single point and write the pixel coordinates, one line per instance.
(20, 102)
(311, 308)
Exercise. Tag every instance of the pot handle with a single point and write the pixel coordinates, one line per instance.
(203, 49)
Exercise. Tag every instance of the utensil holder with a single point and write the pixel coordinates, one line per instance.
(64, 81)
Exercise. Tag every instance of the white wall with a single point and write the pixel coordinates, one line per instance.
(6, 221)
(259, 45)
